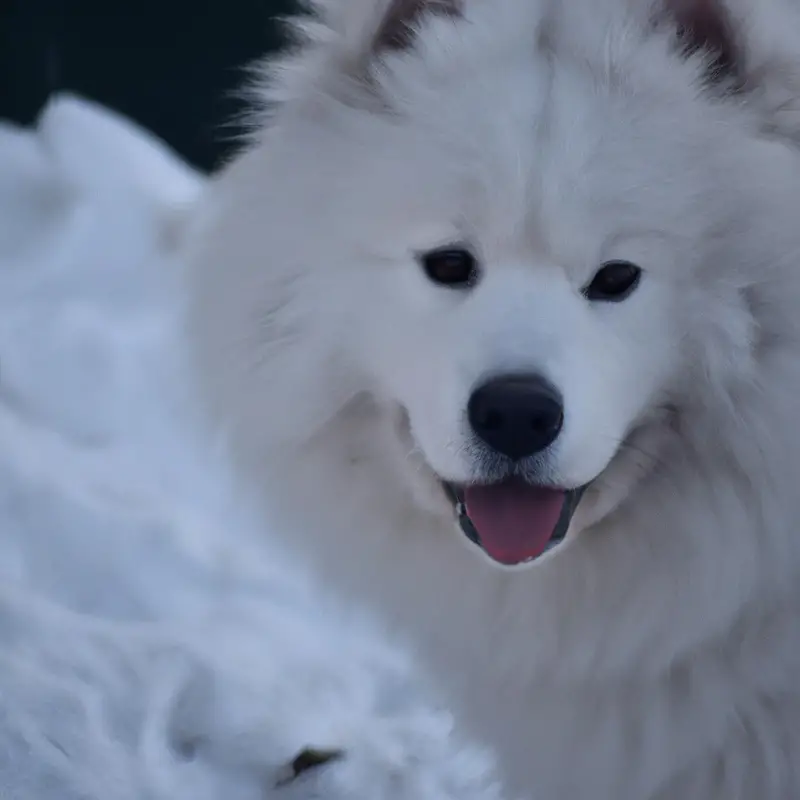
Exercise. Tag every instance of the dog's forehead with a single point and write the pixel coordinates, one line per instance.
(560, 156)
(537, 145)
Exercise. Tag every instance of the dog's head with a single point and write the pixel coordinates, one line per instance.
(523, 231)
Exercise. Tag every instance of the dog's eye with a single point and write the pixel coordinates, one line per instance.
(613, 282)
(450, 266)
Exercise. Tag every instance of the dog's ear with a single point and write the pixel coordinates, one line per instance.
(397, 27)
(705, 27)
(338, 42)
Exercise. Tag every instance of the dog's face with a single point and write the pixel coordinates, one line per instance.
(514, 230)
(524, 297)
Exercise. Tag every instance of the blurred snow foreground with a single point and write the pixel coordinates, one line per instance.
(153, 644)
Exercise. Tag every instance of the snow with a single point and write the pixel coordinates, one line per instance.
(155, 643)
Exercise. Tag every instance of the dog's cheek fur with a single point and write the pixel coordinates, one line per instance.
(257, 311)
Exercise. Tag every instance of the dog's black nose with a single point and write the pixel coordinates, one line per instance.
(516, 415)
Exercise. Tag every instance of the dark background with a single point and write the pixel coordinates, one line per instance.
(172, 65)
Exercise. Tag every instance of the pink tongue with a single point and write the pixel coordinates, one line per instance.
(514, 521)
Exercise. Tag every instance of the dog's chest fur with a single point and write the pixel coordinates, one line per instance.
(721, 725)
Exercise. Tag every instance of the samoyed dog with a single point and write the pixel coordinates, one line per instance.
(501, 307)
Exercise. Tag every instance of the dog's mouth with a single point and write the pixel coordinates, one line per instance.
(514, 522)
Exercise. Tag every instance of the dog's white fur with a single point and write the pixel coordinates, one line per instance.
(655, 654)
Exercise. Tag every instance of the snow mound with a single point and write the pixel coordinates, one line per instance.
(155, 643)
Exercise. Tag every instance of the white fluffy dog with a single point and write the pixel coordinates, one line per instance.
(529, 268)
